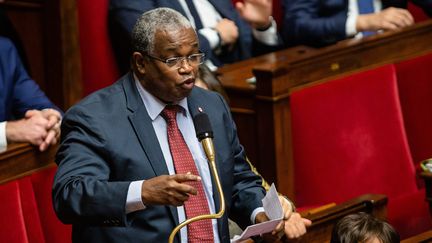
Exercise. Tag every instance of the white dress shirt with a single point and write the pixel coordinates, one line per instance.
(3, 140)
(185, 123)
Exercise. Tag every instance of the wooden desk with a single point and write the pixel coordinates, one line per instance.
(21, 159)
(261, 110)
(422, 238)
(427, 176)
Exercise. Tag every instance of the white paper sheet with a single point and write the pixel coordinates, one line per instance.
(273, 210)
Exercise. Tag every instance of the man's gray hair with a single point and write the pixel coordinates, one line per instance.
(146, 26)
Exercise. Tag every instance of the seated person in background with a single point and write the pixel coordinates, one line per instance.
(26, 114)
(363, 228)
(129, 156)
(319, 23)
(225, 35)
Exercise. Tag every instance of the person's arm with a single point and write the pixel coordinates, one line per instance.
(82, 191)
(40, 128)
(305, 24)
(258, 14)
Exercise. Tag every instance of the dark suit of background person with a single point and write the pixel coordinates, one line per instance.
(124, 13)
(18, 92)
(322, 22)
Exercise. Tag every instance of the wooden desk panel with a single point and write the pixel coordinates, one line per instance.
(262, 112)
(21, 159)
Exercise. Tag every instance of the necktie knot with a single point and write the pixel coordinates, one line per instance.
(169, 113)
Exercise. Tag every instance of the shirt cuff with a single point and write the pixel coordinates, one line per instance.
(350, 25)
(3, 140)
(268, 36)
(212, 36)
(255, 212)
(133, 199)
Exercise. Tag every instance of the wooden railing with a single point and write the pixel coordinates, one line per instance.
(261, 110)
(21, 159)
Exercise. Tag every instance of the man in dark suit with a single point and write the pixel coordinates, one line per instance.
(119, 176)
(225, 35)
(319, 23)
(26, 114)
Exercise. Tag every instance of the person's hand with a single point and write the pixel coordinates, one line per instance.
(388, 19)
(53, 118)
(293, 225)
(168, 189)
(228, 31)
(256, 12)
(32, 129)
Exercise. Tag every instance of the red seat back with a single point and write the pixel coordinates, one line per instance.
(98, 64)
(415, 89)
(418, 14)
(54, 230)
(349, 139)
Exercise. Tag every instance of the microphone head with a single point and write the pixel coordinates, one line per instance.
(203, 127)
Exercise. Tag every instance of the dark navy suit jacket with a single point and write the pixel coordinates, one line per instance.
(124, 14)
(322, 22)
(108, 141)
(18, 92)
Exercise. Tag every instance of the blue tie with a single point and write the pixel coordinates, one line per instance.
(366, 7)
(194, 12)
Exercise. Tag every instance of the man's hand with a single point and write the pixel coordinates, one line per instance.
(40, 128)
(293, 225)
(53, 126)
(228, 31)
(388, 19)
(256, 12)
(168, 189)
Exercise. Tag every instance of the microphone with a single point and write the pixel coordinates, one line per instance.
(204, 134)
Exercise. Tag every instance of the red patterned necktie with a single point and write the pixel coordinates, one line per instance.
(202, 230)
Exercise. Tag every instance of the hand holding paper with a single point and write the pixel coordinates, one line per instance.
(293, 224)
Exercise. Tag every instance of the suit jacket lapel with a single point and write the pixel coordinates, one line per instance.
(142, 124)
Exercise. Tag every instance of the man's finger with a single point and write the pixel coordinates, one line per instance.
(186, 177)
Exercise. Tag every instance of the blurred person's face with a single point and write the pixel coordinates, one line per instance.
(373, 240)
(169, 83)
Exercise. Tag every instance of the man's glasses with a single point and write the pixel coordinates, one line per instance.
(193, 60)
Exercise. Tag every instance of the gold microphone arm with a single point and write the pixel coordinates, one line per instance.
(207, 144)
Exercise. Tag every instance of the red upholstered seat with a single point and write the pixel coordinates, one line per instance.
(349, 139)
(54, 230)
(19, 221)
(97, 58)
(415, 91)
(13, 228)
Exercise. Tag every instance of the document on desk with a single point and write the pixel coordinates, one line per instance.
(273, 210)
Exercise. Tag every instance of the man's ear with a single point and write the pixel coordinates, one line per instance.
(138, 62)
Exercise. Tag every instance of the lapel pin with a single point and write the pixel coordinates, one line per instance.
(200, 109)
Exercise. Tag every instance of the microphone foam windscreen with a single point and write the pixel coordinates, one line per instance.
(203, 127)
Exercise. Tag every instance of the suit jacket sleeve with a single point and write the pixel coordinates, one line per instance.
(21, 92)
(247, 190)
(82, 192)
(314, 22)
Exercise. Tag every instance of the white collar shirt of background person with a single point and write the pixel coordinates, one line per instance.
(353, 12)
(210, 17)
(3, 140)
(185, 122)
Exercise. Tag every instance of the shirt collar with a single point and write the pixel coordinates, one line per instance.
(154, 105)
